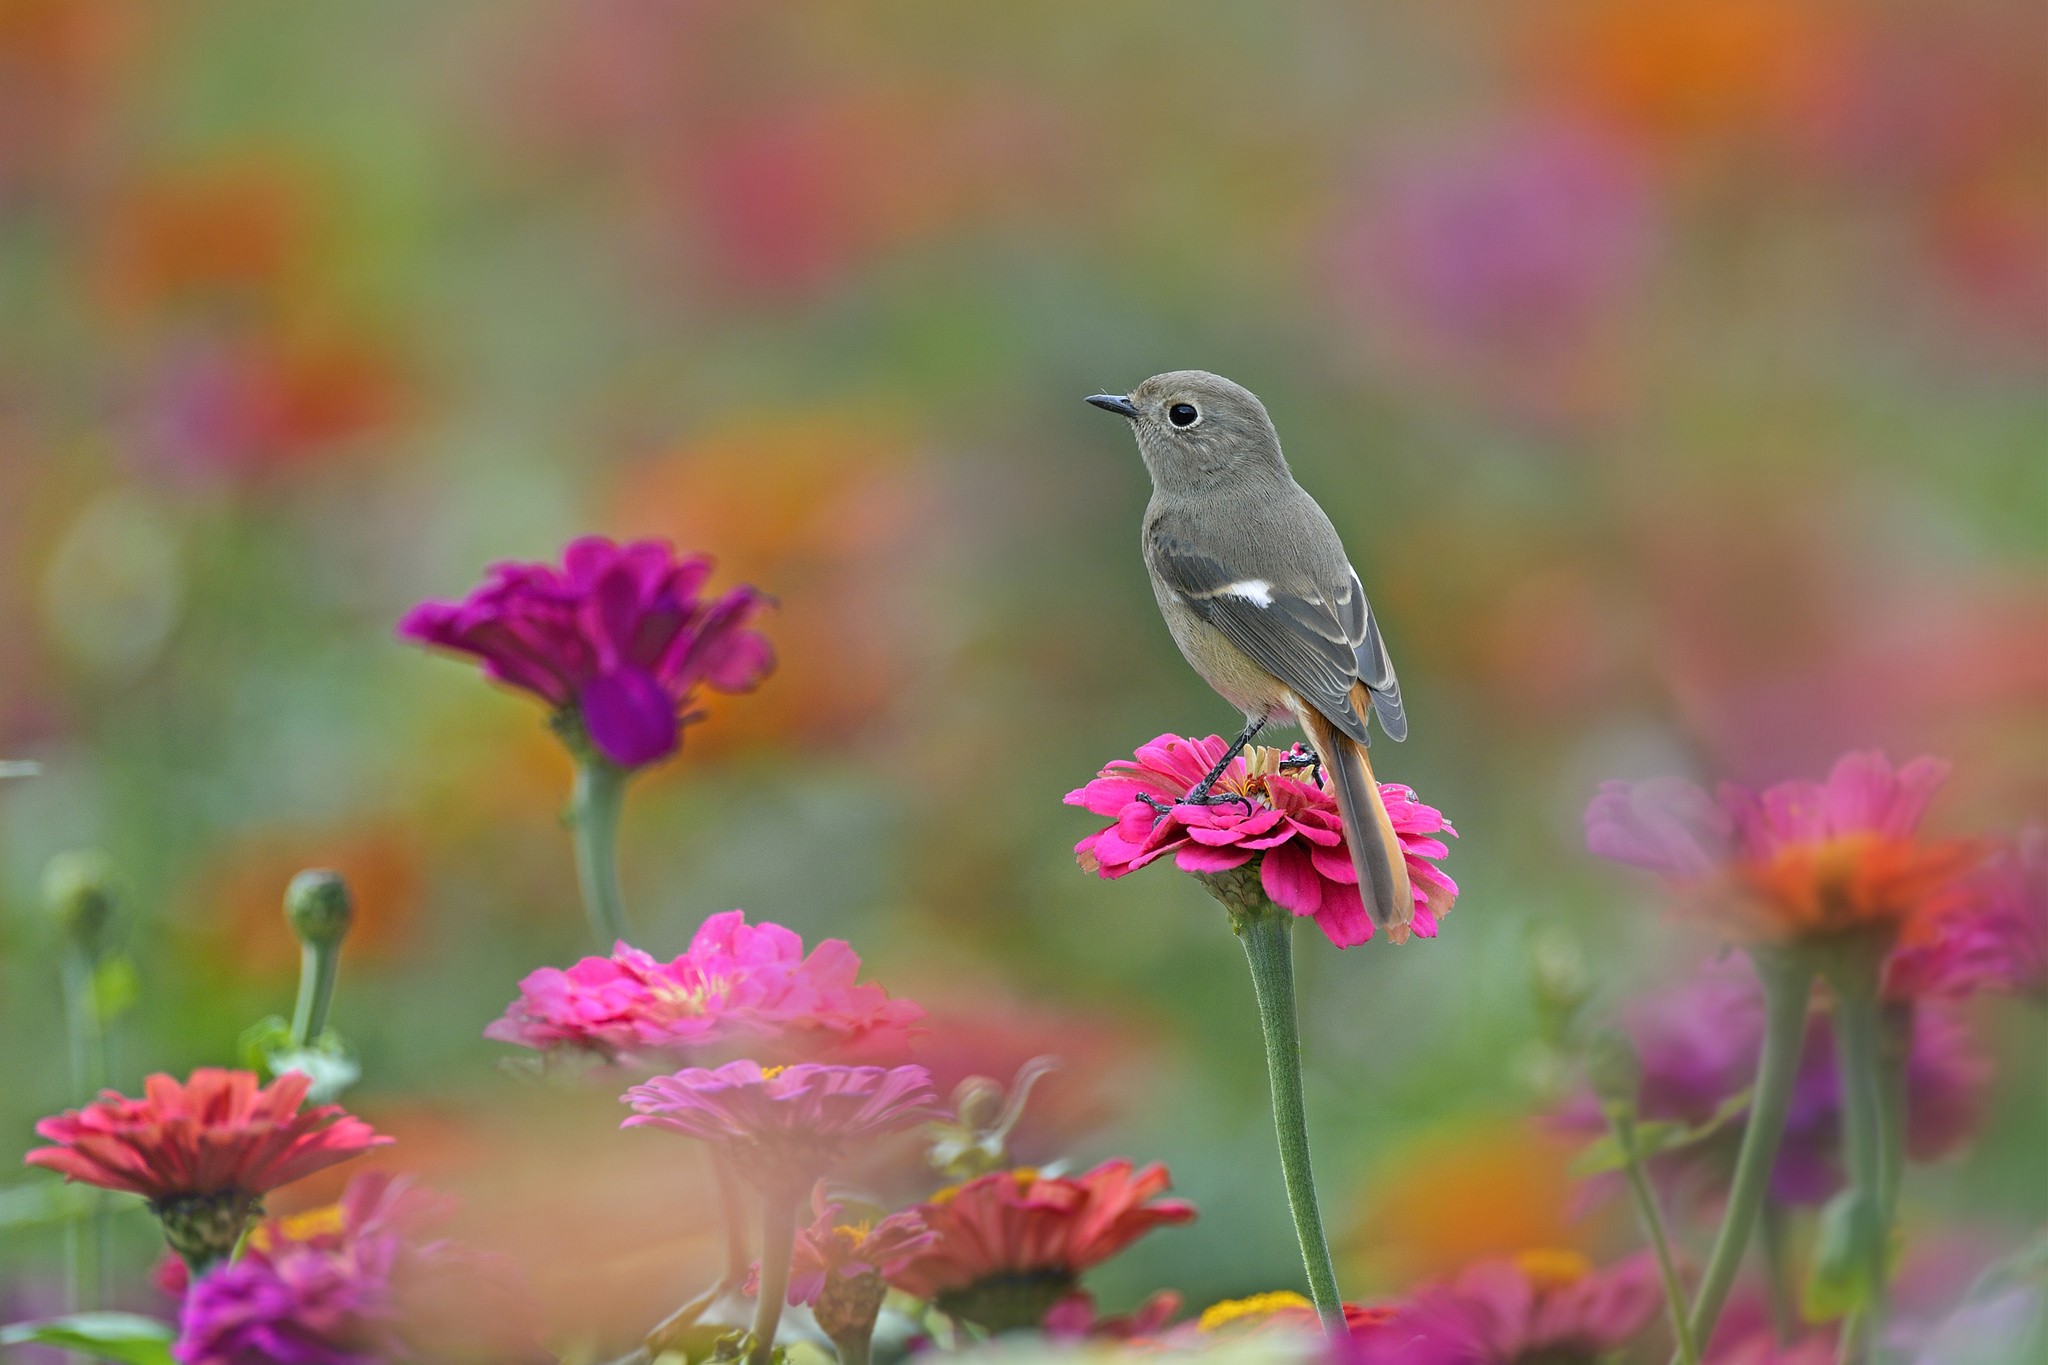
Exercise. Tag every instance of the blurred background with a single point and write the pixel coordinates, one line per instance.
(1673, 371)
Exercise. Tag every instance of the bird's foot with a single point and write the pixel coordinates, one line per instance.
(1302, 756)
(1208, 796)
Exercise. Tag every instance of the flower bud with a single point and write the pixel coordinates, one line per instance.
(78, 891)
(1614, 1070)
(318, 907)
(1559, 970)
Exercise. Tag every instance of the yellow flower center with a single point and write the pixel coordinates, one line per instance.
(324, 1221)
(1553, 1267)
(1255, 1309)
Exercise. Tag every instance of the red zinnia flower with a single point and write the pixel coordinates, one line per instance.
(203, 1153)
(1290, 826)
(1012, 1245)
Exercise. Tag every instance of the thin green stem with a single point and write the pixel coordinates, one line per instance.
(1787, 980)
(1859, 1061)
(1895, 1049)
(594, 807)
(854, 1349)
(318, 965)
(778, 1243)
(732, 1207)
(1623, 1122)
(1775, 1237)
(85, 1236)
(1267, 934)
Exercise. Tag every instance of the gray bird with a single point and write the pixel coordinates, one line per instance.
(1263, 601)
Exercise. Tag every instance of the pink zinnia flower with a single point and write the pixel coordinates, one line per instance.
(1798, 860)
(1995, 938)
(351, 1285)
(784, 1127)
(1541, 1305)
(204, 1152)
(1011, 1246)
(837, 1268)
(738, 982)
(1290, 825)
(617, 639)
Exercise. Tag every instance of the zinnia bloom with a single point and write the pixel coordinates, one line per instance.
(357, 1288)
(1541, 1306)
(738, 982)
(203, 1153)
(784, 1127)
(1996, 937)
(838, 1268)
(1801, 859)
(617, 639)
(1012, 1245)
(1289, 825)
(1699, 1044)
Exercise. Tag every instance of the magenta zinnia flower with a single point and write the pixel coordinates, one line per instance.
(738, 982)
(1291, 826)
(617, 639)
(204, 1152)
(355, 1285)
(1800, 859)
(1995, 938)
(1699, 1044)
(837, 1267)
(1539, 1306)
(785, 1127)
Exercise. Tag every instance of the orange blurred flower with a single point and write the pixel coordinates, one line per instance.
(239, 893)
(235, 227)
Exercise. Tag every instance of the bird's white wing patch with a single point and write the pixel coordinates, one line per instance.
(1257, 591)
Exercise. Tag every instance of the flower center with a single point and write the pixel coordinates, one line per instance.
(1553, 1267)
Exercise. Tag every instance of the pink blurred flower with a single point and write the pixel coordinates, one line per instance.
(1996, 937)
(357, 1286)
(784, 1127)
(1075, 1318)
(617, 639)
(1541, 1305)
(1699, 1043)
(203, 1153)
(738, 982)
(1291, 826)
(1010, 1246)
(838, 1268)
(1798, 860)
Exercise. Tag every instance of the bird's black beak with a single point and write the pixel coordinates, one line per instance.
(1114, 402)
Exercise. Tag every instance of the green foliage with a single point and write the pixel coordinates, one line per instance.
(1653, 1139)
(266, 1046)
(1839, 1281)
(128, 1338)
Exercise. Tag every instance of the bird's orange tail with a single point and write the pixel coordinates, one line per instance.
(1375, 848)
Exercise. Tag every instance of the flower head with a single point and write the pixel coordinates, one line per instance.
(617, 639)
(202, 1152)
(784, 1127)
(1699, 1045)
(738, 982)
(1290, 826)
(349, 1286)
(1996, 937)
(838, 1268)
(1799, 860)
(1541, 1305)
(1010, 1246)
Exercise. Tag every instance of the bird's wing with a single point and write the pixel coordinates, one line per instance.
(1369, 653)
(1291, 630)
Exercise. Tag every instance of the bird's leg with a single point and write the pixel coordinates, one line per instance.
(1303, 756)
(1201, 796)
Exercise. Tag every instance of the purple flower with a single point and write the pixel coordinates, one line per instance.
(617, 639)
(350, 1286)
(1699, 1046)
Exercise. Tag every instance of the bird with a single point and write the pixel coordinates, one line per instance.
(1260, 596)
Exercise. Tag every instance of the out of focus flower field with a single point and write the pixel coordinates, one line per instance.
(1676, 374)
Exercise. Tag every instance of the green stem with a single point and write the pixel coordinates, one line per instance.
(1895, 1049)
(1623, 1122)
(85, 1236)
(318, 965)
(1784, 1308)
(732, 1207)
(594, 806)
(1858, 1059)
(854, 1349)
(778, 1244)
(1787, 980)
(1267, 934)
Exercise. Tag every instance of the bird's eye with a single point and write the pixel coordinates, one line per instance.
(1183, 415)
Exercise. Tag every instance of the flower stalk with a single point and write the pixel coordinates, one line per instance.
(778, 1245)
(1616, 1073)
(594, 807)
(78, 890)
(1787, 979)
(1267, 934)
(1853, 975)
(318, 908)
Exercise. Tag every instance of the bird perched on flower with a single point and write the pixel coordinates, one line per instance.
(1263, 601)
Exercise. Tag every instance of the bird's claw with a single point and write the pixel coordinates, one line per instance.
(1200, 797)
(1302, 756)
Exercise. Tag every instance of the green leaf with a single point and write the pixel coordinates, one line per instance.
(262, 1038)
(330, 1071)
(125, 1337)
(1656, 1138)
(1839, 1281)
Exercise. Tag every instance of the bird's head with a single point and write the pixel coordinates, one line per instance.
(1194, 427)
